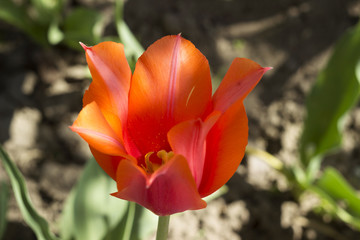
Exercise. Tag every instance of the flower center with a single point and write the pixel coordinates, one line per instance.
(153, 163)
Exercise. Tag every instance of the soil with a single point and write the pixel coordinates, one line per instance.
(41, 93)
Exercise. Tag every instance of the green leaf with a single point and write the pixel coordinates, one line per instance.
(334, 93)
(143, 224)
(13, 14)
(47, 10)
(218, 193)
(90, 212)
(84, 25)
(31, 217)
(17, 15)
(133, 48)
(357, 70)
(67, 224)
(330, 206)
(55, 35)
(334, 184)
(4, 197)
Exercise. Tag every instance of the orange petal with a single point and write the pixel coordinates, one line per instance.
(111, 82)
(225, 149)
(109, 163)
(240, 79)
(95, 130)
(188, 139)
(169, 190)
(171, 84)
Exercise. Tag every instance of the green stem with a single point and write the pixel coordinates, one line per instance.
(119, 5)
(163, 227)
(133, 47)
(129, 221)
(292, 174)
(267, 157)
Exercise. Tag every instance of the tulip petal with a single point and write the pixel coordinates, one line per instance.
(171, 84)
(169, 190)
(225, 148)
(188, 139)
(95, 130)
(111, 82)
(109, 163)
(240, 79)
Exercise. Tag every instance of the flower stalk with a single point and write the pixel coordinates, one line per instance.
(129, 221)
(163, 227)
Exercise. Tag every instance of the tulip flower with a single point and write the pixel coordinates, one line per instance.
(159, 132)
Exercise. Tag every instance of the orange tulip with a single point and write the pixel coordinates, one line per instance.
(158, 132)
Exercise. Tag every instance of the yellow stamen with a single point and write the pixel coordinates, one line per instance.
(165, 156)
(151, 167)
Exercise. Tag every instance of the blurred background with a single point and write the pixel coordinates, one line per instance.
(43, 75)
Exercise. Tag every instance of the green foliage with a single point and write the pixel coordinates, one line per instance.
(138, 224)
(45, 22)
(48, 24)
(18, 16)
(336, 186)
(330, 206)
(335, 92)
(31, 217)
(91, 213)
(55, 35)
(333, 95)
(84, 25)
(4, 197)
(133, 47)
(218, 193)
(47, 10)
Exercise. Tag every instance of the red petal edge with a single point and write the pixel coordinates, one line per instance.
(171, 189)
